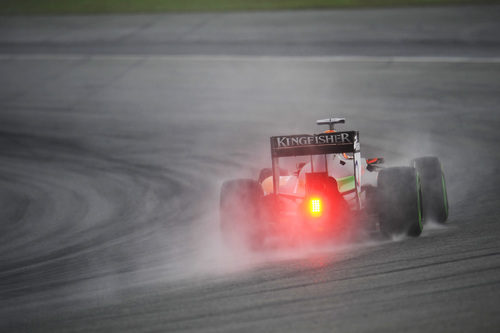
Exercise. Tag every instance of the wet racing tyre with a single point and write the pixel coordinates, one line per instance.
(268, 172)
(265, 173)
(240, 210)
(434, 196)
(399, 201)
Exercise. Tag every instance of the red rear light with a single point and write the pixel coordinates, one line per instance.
(315, 207)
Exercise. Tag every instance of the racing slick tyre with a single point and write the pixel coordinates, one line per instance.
(434, 196)
(399, 201)
(240, 206)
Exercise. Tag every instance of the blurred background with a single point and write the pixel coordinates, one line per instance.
(119, 121)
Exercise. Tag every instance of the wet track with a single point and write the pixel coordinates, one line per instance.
(112, 158)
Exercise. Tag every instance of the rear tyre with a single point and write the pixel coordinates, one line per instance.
(268, 172)
(434, 196)
(240, 210)
(399, 201)
(265, 173)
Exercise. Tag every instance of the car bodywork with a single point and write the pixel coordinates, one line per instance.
(324, 192)
(319, 187)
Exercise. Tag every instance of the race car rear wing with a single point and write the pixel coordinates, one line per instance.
(317, 144)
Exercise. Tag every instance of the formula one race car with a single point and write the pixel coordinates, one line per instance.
(319, 188)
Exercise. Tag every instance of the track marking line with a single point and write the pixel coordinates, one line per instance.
(230, 58)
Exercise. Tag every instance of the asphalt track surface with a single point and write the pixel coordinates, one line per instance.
(112, 157)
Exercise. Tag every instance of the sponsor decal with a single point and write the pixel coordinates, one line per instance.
(307, 140)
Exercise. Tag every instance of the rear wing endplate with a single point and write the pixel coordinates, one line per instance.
(317, 144)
